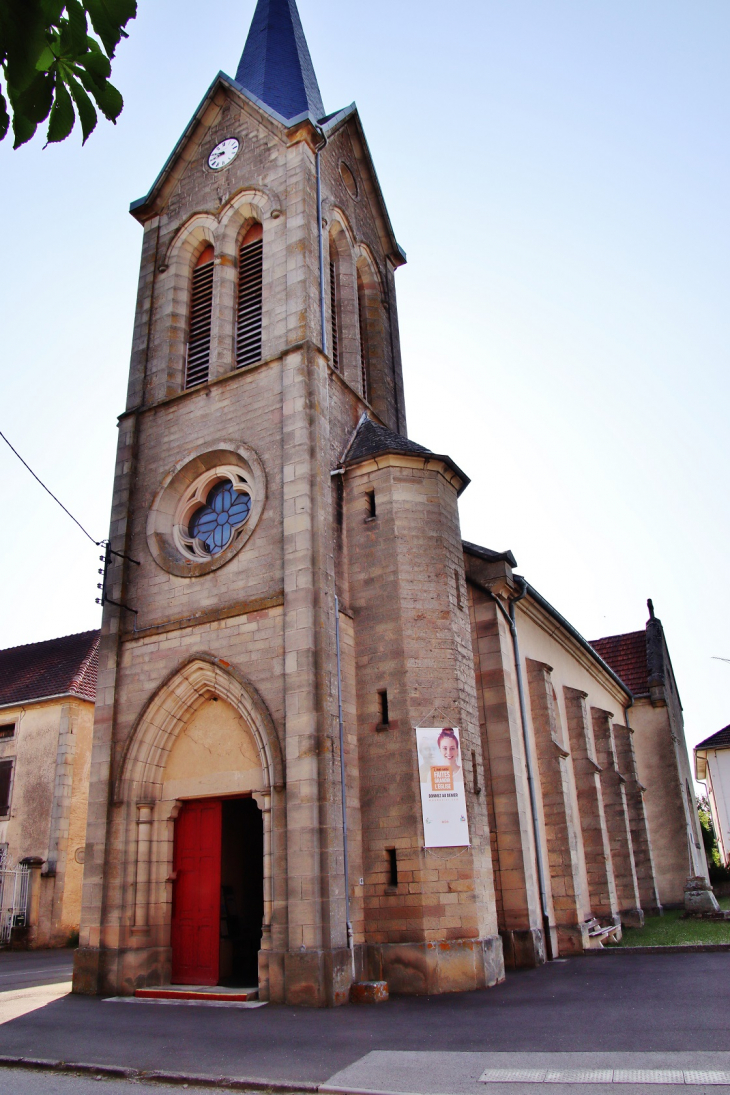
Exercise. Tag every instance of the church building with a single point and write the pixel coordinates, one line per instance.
(333, 742)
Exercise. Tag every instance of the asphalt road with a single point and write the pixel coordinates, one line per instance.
(24, 969)
(616, 1003)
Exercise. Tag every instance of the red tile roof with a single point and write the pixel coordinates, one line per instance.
(53, 668)
(716, 741)
(626, 654)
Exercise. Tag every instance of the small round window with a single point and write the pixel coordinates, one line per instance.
(212, 526)
(349, 180)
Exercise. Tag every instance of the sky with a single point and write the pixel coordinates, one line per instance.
(557, 172)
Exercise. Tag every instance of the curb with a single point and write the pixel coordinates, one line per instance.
(119, 1072)
(681, 948)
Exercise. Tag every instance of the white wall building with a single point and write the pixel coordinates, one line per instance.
(712, 767)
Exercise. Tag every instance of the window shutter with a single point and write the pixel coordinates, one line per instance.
(333, 315)
(201, 311)
(6, 772)
(250, 297)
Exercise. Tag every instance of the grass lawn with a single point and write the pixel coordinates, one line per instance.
(670, 930)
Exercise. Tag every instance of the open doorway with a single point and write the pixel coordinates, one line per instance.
(218, 902)
(242, 892)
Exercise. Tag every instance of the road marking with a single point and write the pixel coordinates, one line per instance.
(603, 1076)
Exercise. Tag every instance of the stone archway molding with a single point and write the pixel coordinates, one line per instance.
(169, 710)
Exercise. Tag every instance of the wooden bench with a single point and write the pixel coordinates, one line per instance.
(599, 932)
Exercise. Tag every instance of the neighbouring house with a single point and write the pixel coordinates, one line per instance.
(641, 659)
(47, 694)
(333, 741)
(712, 767)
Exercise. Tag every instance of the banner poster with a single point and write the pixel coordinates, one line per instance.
(442, 787)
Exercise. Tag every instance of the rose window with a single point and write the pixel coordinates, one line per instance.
(226, 509)
(212, 513)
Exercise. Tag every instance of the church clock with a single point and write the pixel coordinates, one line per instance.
(223, 154)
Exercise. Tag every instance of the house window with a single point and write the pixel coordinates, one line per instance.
(6, 785)
(384, 714)
(201, 312)
(7, 731)
(250, 297)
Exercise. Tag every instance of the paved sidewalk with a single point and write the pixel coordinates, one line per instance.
(444, 1073)
(628, 1004)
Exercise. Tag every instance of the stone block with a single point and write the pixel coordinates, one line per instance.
(369, 992)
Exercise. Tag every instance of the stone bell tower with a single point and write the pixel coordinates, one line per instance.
(265, 348)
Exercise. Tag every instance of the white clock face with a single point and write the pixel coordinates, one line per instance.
(223, 154)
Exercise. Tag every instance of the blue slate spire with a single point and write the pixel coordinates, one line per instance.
(275, 65)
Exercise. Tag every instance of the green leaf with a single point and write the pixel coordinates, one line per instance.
(87, 114)
(77, 26)
(4, 117)
(35, 102)
(23, 129)
(109, 100)
(62, 115)
(46, 60)
(97, 63)
(108, 18)
(22, 39)
(52, 11)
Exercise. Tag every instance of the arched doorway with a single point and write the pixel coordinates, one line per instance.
(197, 778)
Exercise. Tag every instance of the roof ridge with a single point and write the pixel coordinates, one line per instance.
(88, 669)
(620, 635)
(55, 639)
(713, 738)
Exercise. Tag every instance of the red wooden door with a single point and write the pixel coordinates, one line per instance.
(197, 896)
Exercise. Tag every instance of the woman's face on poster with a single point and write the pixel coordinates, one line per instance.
(449, 750)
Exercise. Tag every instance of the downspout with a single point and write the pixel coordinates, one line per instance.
(529, 764)
(322, 315)
(350, 937)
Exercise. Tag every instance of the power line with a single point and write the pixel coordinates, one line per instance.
(22, 461)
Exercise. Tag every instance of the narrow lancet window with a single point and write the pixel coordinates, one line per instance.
(362, 322)
(333, 315)
(201, 311)
(250, 297)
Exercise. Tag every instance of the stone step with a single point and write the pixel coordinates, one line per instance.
(199, 992)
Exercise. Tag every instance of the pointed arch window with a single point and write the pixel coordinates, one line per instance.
(201, 313)
(334, 317)
(250, 297)
(362, 316)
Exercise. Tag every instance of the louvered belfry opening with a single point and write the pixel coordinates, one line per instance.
(250, 297)
(333, 314)
(201, 311)
(362, 321)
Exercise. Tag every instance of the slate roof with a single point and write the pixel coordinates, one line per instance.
(626, 654)
(371, 439)
(56, 667)
(275, 65)
(720, 740)
(489, 555)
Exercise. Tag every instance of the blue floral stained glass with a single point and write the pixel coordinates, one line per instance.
(225, 509)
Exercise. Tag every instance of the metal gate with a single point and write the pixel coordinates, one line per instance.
(14, 888)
